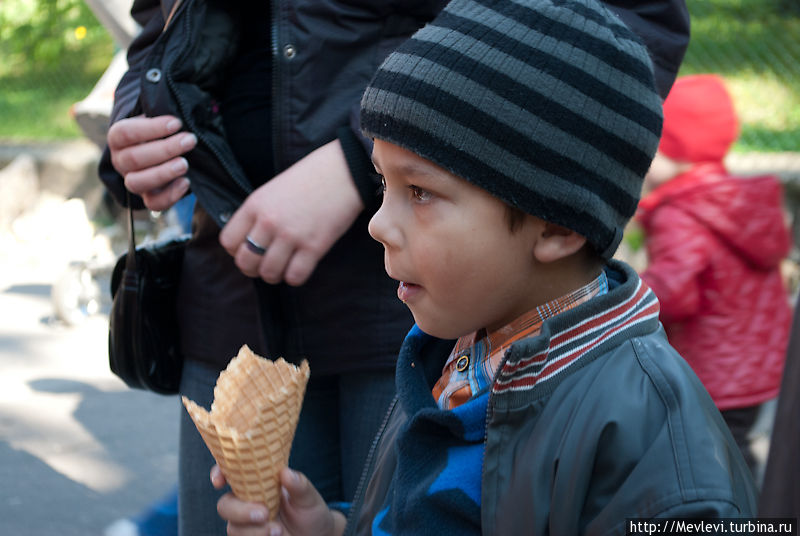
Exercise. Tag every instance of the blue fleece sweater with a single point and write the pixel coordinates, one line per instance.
(440, 459)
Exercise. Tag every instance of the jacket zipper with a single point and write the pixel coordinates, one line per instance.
(244, 185)
(489, 412)
(276, 141)
(358, 498)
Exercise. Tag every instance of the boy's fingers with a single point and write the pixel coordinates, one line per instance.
(217, 478)
(301, 493)
(241, 513)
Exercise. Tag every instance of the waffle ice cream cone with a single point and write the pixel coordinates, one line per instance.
(250, 427)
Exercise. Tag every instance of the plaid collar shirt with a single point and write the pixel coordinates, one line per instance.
(472, 364)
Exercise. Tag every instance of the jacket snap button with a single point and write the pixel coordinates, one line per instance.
(153, 75)
(462, 363)
(289, 51)
(225, 216)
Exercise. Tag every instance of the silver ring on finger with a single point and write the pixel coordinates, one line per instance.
(254, 246)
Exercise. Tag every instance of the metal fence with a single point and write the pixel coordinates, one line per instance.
(753, 44)
(51, 54)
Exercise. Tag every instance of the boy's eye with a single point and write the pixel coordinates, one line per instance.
(382, 189)
(419, 194)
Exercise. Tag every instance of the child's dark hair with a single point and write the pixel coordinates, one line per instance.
(593, 260)
(514, 218)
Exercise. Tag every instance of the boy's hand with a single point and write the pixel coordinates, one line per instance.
(303, 512)
(147, 151)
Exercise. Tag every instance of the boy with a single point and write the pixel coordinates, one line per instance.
(513, 137)
(715, 244)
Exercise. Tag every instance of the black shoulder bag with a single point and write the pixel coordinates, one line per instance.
(143, 342)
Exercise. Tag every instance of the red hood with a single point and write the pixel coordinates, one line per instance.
(700, 122)
(744, 212)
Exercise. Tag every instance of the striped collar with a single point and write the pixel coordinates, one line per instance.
(576, 337)
(534, 367)
(472, 364)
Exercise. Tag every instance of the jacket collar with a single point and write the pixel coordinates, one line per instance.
(534, 367)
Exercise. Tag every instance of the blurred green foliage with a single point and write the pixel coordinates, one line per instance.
(47, 64)
(755, 46)
(41, 34)
(51, 54)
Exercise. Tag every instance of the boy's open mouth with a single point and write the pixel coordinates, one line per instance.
(405, 291)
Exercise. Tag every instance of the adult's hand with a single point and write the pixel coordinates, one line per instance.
(287, 225)
(147, 151)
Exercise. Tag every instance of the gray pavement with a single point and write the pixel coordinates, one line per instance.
(78, 449)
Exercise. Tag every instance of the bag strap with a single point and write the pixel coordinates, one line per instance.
(171, 14)
(130, 260)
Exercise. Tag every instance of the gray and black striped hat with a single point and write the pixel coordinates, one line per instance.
(549, 105)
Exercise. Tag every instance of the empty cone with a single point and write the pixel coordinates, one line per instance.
(250, 427)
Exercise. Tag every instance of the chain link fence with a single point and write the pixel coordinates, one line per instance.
(755, 46)
(53, 51)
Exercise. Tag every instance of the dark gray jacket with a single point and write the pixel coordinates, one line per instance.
(177, 69)
(626, 430)
(324, 53)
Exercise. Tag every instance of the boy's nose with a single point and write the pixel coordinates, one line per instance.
(381, 227)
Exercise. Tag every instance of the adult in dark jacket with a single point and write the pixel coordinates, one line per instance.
(780, 491)
(260, 96)
(311, 217)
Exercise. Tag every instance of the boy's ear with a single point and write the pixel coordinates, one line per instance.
(556, 242)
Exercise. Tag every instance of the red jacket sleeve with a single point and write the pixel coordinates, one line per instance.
(679, 249)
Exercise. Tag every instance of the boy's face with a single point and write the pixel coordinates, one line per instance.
(449, 244)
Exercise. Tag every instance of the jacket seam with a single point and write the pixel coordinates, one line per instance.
(674, 421)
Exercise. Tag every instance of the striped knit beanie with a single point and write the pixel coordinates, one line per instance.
(548, 105)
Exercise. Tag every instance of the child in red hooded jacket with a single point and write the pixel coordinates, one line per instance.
(715, 242)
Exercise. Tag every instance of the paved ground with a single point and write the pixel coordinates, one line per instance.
(78, 449)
